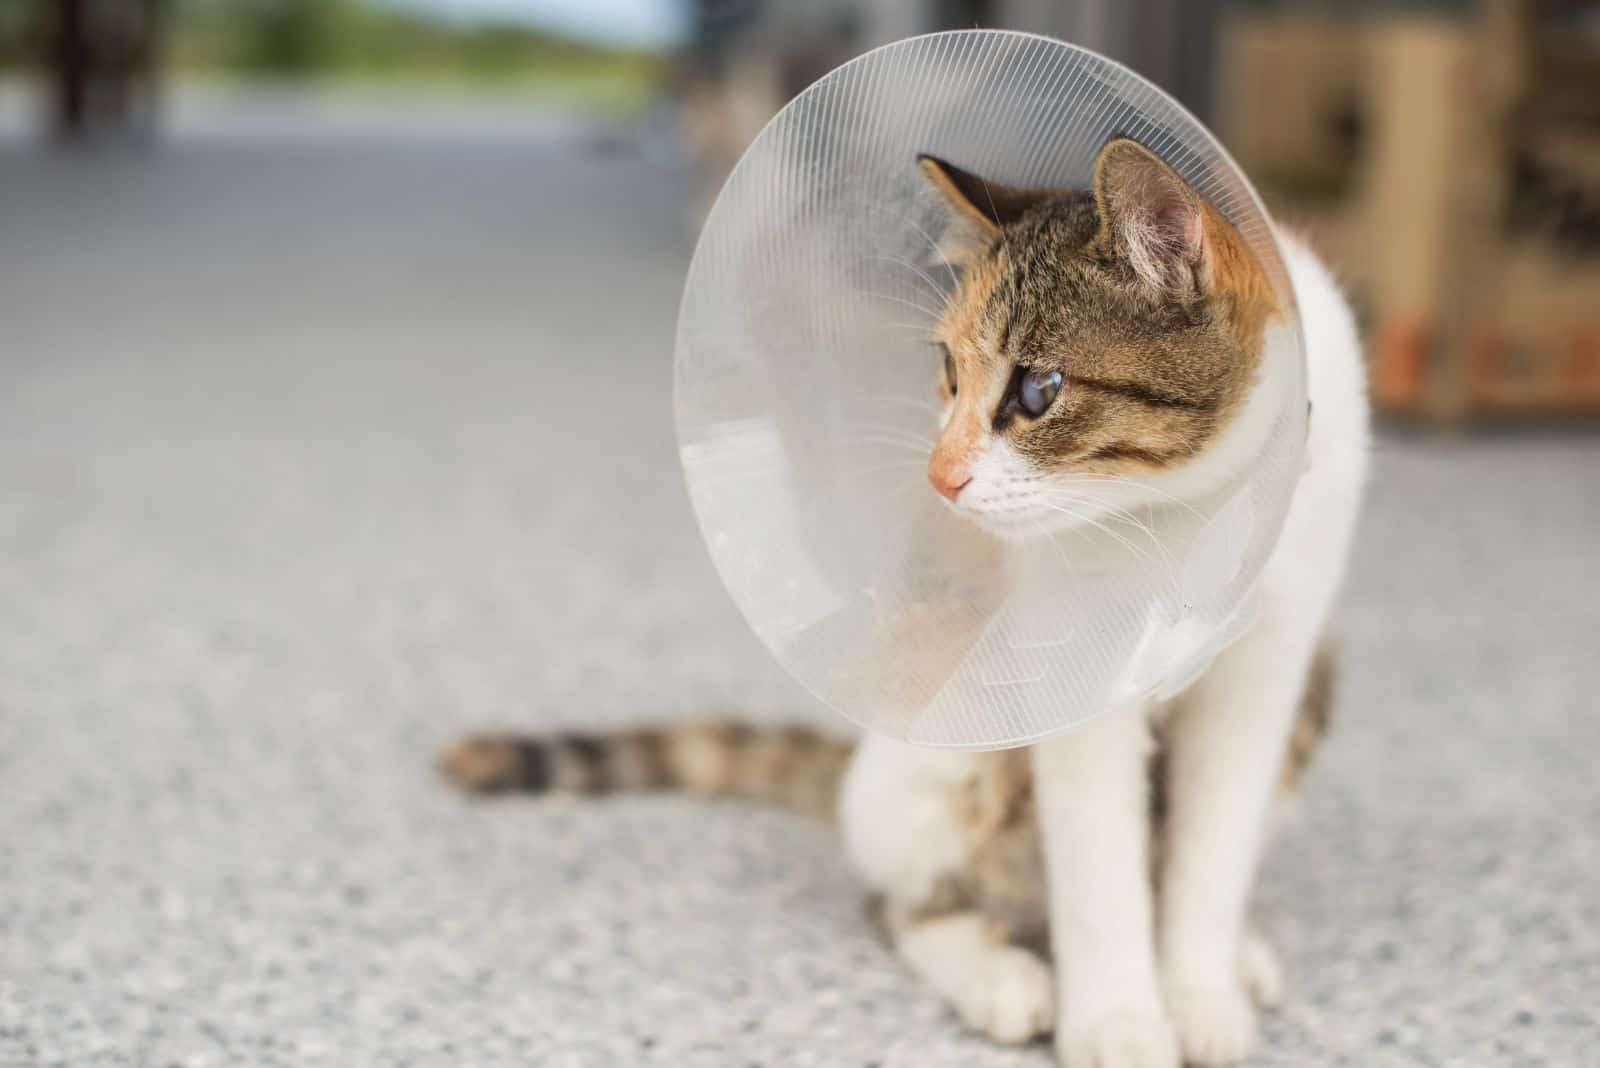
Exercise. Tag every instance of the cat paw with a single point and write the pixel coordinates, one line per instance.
(1012, 997)
(1127, 1038)
(1260, 971)
(1216, 1025)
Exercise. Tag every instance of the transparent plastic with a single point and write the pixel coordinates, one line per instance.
(804, 373)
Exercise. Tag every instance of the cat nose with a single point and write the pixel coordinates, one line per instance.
(948, 475)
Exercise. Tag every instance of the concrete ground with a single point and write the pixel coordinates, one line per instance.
(315, 451)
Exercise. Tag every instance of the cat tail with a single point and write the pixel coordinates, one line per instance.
(796, 767)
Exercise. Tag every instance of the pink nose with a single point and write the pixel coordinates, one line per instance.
(948, 477)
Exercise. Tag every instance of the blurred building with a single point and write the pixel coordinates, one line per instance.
(100, 59)
(751, 56)
(1444, 155)
(1171, 42)
(1449, 163)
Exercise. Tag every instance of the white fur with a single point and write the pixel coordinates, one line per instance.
(897, 815)
(1004, 991)
(1091, 788)
(1142, 982)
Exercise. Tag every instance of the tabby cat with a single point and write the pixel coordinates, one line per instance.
(1103, 345)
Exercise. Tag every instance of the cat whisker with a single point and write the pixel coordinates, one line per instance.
(932, 313)
(1054, 536)
(933, 246)
(912, 402)
(893, 428)
(922, 439)
(1169, 562)
(1091, 521)
(1143, 487)
(918, 271)
(865, 442)
(885, 426)
(1125, 516)
(1145, 528)
(921, 328)
(1005, 241)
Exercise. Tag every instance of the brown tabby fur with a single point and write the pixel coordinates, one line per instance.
(1003, 877)
(1152, 370)
(800, 768)
(793, 766)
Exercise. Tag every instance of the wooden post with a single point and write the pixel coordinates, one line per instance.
(103, 61)
(1472, 333)
(1419, 69)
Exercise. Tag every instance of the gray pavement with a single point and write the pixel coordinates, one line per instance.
(315, 452)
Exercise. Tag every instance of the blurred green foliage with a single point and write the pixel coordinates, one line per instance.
(297, 37)
(15, 22)
(357, 39)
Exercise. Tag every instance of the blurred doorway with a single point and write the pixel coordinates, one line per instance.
(102, 60)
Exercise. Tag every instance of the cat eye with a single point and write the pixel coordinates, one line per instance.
(949, 369)
(1037, 390)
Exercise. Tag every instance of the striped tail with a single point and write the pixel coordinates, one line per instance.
(796, 767)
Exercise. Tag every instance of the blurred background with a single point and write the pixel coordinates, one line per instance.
(1443, 153)
(335, 344)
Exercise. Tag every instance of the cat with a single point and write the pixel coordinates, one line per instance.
(1094, 884)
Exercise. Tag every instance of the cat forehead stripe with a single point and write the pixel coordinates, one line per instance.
(1144, 394)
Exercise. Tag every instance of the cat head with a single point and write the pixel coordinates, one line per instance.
(1098, 347)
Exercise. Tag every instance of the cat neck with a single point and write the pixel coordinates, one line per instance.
(1240, 446)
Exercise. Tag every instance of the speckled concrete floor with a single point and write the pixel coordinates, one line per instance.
(313, 454)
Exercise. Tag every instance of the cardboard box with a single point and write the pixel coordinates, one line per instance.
(1290, 99)
(1469, 223)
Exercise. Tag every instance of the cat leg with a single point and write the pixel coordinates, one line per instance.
(1004, 991)
(1260, 971)
(902, 821)
(898, 817)
(1227, 740)
(1092, 789)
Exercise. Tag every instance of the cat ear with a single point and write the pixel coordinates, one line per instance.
(988, 204)
(1150, 217)
(980, 207)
